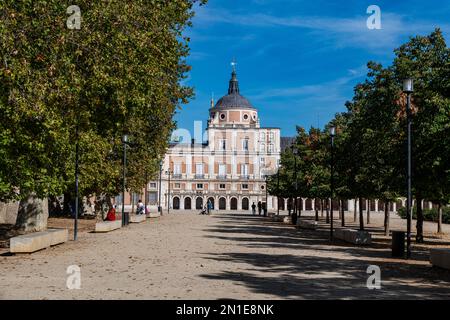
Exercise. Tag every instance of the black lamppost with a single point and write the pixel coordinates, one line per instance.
(160, 177)
(168, 192)
(408, 88)
(75, 227)
(278, 191)
(124, 164)
(266, 207)
(332, 135)
(294, 214)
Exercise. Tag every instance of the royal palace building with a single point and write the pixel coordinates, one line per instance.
(227, 167)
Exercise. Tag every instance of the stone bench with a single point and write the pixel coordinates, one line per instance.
(106, 226)
(153, 215)
(137, 218)
(440, 257)
(32, 242)
(353, 236)
(306, 224)
(277, 218)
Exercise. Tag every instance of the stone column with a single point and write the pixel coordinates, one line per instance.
(376, 205)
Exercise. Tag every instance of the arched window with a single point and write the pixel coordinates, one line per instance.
(199, 203)
(233, 204)
(187, 203)
(245, 205)
(176, 203)
(222, 203)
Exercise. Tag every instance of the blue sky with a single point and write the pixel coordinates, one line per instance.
(298, 61)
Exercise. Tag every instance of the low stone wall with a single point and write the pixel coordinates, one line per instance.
(353, 236)
(106, 226)
(35, 241)
(306, 224)
(440, 257)
(153, 215)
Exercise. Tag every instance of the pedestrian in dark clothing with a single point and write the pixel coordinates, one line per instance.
(259, 207)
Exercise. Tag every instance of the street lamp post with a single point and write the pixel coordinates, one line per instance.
(332, 135)
(168, 191)
(75, 227)
(408, 88)
(267, 204)
(278, 192)
(160, 177)
(294, 214)
(124, 163)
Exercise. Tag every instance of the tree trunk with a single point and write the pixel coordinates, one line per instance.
(316, 204)
(342, 213)
(439, 230)
(386, 218)
(321, 208)
(327, 208)
(32, 215)
(355, 215)
(419, 223)
(368, 212)
(361, 215)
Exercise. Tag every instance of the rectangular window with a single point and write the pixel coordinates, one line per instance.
(222, 169)
(177, 168)
(222, 186)
(152, 185)
(244, 169)
(270, 147)
(245, 186)
(177, 186)
(199, 185)
(272, 135)
(245, 145)
(199, 168)
(222, 144)
(152, 197)
(262, 147)
(262, 161)
(262, 136)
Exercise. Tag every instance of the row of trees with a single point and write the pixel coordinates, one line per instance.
(119, 74)
(370, 143)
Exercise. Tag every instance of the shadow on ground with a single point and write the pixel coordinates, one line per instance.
(306, 266)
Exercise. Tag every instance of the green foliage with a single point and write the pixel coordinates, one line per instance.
(428, 214)
(121, 73)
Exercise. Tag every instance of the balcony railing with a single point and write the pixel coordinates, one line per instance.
(222, 176)
(199, 176)
(176, 176)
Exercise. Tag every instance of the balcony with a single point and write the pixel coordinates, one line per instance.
(245, 176)
(199, 176)
(222, 177)
(176, 176)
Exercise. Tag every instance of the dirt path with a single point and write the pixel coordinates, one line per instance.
(185, 255)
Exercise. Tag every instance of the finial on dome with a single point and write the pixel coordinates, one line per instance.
(212, 99)
(233, 86)
(234, 64)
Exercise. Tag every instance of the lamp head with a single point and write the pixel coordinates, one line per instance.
(125, 138)
(408, 85)
(332, 131)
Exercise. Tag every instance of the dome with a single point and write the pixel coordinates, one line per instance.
(233, 99)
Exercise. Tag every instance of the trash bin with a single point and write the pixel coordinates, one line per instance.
(398, 243)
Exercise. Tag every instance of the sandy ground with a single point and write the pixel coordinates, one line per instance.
(189, 256)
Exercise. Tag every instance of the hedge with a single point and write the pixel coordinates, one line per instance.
(428, 214)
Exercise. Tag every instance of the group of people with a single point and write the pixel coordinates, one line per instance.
(261, 207)
(111, 215)
(208, 207)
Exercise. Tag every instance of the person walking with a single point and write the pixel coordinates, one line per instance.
(209, 206)
(254, 208)
(259, 207)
